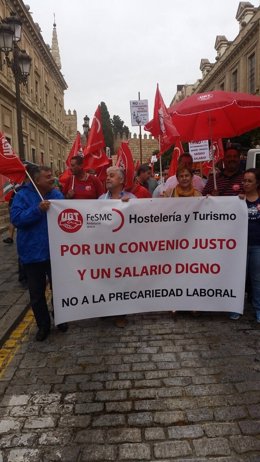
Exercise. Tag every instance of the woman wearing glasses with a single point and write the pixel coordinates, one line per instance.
(251, 184)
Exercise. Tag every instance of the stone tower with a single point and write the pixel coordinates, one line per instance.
(55, 46)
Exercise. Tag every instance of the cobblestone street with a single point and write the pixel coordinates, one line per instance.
(159, 390)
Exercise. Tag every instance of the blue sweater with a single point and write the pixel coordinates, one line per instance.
(31, 224)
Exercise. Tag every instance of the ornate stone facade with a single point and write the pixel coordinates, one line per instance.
(44, 121)
(237, 65)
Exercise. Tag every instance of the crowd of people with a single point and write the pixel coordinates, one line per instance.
(30, 206)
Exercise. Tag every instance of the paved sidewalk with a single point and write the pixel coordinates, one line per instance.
(13, 298)
(159, 390)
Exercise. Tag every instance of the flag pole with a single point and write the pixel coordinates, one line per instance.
(212, 154)
(159, 139)
(140, 137)
(31, 180)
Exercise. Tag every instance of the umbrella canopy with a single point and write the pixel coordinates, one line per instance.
(215, 114)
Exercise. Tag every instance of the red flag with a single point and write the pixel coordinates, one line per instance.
(178, 150)
(10, 165)
(101, 173)
(95, 156)
(218, 152)
(6, 188)
(64, 176)
(161, 126)
(76, 147)
(126, 162)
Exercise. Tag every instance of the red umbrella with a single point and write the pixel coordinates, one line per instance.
(215, 114)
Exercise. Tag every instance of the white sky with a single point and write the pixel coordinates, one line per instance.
(112, 49)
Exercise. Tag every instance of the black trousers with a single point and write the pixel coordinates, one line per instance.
(36, 278)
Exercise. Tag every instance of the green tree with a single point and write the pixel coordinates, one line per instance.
(107, 127)
(119, 126)
(248, 140)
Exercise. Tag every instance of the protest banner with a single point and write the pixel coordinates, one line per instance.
(199, 151)
(139, 112)
(112, 257)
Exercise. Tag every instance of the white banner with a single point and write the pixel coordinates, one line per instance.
(139, 112)
(112, 257)
(199, 151)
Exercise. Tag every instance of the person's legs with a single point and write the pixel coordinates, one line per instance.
(254, 274)
(21, 273)
(64, 326)
(10, 238)
(36, 279)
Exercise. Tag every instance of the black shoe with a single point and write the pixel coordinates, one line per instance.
(24, 284)
(42, 334)
(8, 240)
(63, 327)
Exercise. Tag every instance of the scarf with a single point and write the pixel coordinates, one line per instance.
(179, 192)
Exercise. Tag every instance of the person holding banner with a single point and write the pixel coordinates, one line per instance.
(28, 215)
(186, 160)
(115, 190)
(81, 184)
(185, 186)
(115, 185)
(251, 183)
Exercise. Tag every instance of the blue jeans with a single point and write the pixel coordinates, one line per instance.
(253, 272)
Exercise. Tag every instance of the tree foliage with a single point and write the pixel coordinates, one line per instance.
(119, 127)
(107, 127)
(248, 140)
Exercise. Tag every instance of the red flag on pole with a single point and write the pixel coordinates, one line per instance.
(178, 150)
(94, 153)
(126, 162)
(10, 165)
(161, 126)
(76, 147)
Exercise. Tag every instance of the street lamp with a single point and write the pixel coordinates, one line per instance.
(20, 63)
(86, 126)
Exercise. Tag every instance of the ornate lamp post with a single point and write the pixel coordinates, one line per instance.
(20, 63)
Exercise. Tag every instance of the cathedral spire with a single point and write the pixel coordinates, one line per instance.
(55, 46)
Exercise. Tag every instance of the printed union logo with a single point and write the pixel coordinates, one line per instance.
(116, 219)
(205, 97)
(70, 220)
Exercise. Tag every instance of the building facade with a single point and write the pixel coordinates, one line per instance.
(45, 124)
(237, 63)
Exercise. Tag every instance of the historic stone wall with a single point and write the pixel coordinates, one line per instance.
(149, 144)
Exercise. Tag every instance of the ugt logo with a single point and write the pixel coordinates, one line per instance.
(70, 220)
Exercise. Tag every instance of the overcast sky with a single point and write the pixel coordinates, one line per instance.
(112, 49)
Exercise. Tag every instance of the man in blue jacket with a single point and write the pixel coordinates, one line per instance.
(28, 215)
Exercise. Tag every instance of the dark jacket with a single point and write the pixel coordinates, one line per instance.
(31, 224)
